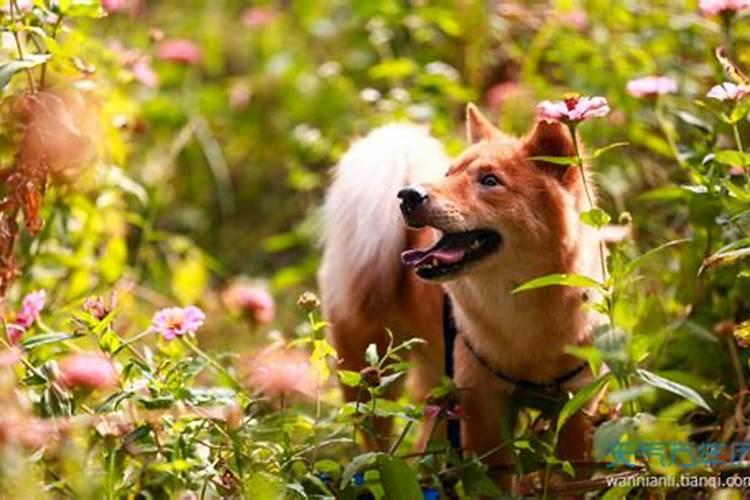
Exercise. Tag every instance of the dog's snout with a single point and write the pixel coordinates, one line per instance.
(412, 197)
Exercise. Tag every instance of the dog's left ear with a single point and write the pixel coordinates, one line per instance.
(478, 128)
(552, 139)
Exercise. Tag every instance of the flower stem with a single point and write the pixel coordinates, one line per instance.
(738, 141)
(211, 361)
(609, 297)
(13, 8)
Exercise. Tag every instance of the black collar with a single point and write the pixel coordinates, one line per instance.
(554, 385)
(450, 332)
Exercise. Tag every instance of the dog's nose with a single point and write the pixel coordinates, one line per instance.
(412, 197)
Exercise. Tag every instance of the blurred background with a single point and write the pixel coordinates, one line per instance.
(222, 119)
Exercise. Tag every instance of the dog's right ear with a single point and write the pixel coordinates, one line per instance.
(478, 128)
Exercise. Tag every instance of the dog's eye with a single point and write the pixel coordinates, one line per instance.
(489, 180)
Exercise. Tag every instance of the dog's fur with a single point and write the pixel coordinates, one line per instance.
(535, 210)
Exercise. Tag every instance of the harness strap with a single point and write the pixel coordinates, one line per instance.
(449, 342)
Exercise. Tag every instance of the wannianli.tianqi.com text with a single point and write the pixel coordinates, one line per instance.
(684, 481)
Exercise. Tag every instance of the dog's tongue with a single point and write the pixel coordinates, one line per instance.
(416, 258)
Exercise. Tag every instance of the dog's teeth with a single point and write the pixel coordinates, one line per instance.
(434, 262)
(475, 244)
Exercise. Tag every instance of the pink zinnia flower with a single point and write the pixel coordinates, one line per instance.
(276, 373)
(87, 371)
(728, 91)
(179, 50)
(716, 7)
(31, 306)
(255, 17)
(253, 299)
(651, 86)
(177, 321)
(573, 109)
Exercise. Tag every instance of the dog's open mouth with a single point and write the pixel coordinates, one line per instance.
(451, 253)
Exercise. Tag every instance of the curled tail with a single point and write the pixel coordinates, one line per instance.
(363, 232)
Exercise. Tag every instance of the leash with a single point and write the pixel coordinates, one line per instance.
(450, 332)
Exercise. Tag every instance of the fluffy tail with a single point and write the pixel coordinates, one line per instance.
(363, 230)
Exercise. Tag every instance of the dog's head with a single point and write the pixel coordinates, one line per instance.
(498, 206)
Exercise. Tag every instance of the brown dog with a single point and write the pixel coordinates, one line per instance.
(491, 220)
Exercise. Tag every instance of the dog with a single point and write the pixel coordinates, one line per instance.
(476, 228)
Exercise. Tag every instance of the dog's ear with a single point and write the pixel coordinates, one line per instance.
(552, 139)
(478, 128)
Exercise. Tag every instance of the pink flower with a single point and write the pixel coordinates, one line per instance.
(651, 86)
(576, 18)
(31, 306)
(716, 7)
(179, 50)
(434, 411)
(177, 321)
(241, 296)
(87, 371)
(112, 6)
(281, 372)
(573, 109)
(728, 91)
(239, 96)
(501, 93)
(144, 73)
(255, 17)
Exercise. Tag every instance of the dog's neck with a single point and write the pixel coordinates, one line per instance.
(526, 333)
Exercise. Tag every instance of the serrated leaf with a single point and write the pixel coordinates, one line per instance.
(574, 280)
(673, 387)
(596, 217)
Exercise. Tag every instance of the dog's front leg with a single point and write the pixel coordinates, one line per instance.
(489, 415)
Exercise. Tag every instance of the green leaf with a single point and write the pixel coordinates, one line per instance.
(349, 378)
(393, 69)
(476, 482)
(10, 68)
(608, 434)
(574, 280)
(596, 217)
(732, 157)
(673, 387)
(358, 463)
(399, 480)
(598, 152)
(580, 399)
(642, 259)
(557, 160)
(47, 338)
(81, 8)
(739, 111)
